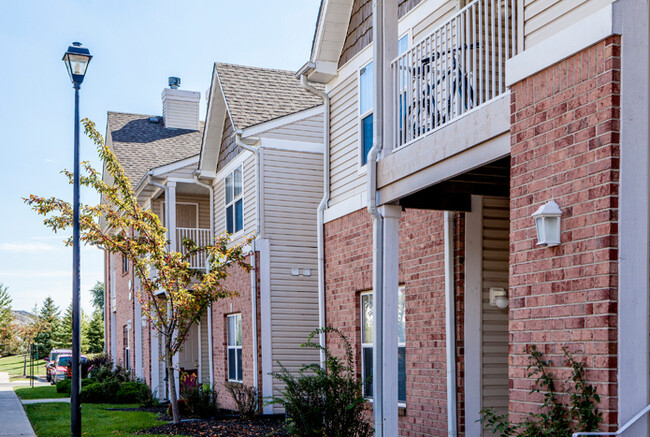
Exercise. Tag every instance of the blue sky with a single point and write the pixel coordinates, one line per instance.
(136, 46)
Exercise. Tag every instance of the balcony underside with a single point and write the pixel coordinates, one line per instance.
(478, 138)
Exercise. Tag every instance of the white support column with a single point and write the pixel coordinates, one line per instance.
(171, 214)
(391, 35)
(634, 215)
(391, 214)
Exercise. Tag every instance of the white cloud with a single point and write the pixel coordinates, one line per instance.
(27, 247)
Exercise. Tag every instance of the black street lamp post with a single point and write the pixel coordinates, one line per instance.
(76, 61)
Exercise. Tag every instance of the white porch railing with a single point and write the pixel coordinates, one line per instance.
(457, 68)
(621, 430)
(201, 237)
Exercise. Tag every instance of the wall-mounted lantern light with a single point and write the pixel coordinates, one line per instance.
(547, 221)
(499, 298)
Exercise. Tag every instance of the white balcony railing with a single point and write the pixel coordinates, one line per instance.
(201, 237)
(457, 68)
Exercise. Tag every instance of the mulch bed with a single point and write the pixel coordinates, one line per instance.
(234, 427)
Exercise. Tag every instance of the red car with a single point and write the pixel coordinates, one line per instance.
(63, 367)
(49, 368)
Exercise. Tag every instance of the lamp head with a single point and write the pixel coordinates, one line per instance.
(76, 61)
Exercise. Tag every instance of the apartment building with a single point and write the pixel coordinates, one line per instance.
(452, 124)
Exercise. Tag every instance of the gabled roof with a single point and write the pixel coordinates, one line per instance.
(249, 96)
(254, 95)
(141, 145)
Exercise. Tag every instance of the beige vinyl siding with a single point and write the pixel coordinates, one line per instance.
(543, 18)
(179, 113)
(205, 349)
(494, 348)
(186, 172)
(219, 187)
(344, 141)
(309, 130)
(434, 20)
(293, 189)
(202, 201)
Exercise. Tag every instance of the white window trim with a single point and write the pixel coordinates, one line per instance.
(234, 199)
(401, 404)
(362, 168)
(232, 347)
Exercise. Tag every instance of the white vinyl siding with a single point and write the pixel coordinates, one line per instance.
(434, 20)
(544, 18)
(219, 187)
(309, 130)
(292, 190)
(494, 347)
(344, 144)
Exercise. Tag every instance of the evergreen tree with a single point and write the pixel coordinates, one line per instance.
(94, 333)
(97, 298)
(63, 335)
(48, 325)
(7, 329)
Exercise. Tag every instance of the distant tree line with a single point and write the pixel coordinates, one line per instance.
(48, 328)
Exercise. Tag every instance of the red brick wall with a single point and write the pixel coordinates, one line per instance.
(240, 281)
(565, 147)
(348, 255)
(125, 309)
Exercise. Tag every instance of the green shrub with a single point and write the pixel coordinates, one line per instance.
(100, 392)
(201, 400)
(182, 407)
(106, 372)
(86, 381)
(555, 419)
(245, 398)
(323, 401)
(64, 386)
(132, 392)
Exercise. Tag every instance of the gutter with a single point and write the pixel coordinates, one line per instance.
(321, 209)
(258, 213)
(450, 326)
(210, 341)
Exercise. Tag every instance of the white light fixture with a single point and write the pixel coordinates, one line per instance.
(498, 298)
(547, 221)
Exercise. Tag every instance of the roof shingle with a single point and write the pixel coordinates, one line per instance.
(141, 145)
(256, 95)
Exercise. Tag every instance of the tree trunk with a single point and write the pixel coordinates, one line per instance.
(173, 397)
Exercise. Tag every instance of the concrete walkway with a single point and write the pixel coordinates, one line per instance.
(12, 415)
(41, 401)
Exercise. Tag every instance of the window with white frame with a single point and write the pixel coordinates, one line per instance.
(367, 312)
(234, 348)
(234, 202)
(366, 104)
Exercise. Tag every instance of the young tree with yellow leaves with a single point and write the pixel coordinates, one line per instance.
(173, 295)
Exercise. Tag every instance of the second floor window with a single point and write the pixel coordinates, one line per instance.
(367, 311)
(234, 202)
(366, 104)
(125, 264)
(235, 367)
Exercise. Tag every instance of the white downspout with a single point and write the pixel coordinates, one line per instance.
(258, 214)
(450, 326)
(211, 193)
(377, 218)
(321, 212)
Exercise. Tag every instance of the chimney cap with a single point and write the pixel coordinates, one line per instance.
(174, 82)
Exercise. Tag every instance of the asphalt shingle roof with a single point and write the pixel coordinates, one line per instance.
(141, 145)
(256, 95)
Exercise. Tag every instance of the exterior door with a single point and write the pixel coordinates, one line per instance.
(186, 215)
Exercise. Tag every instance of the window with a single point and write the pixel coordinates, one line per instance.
(366, 345)
(234, 202)
(234, 348)
(127, 348)
(125, 264)
(366, 79)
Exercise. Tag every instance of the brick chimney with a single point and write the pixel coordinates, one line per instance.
(180, 107)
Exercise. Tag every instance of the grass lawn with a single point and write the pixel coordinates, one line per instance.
(42, 392)
(13, 365)
(53, 420)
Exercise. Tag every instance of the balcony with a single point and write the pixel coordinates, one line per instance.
(458, 68)
(202, 237)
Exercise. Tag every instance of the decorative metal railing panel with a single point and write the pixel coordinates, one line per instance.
(457, 68)
(201, 237)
